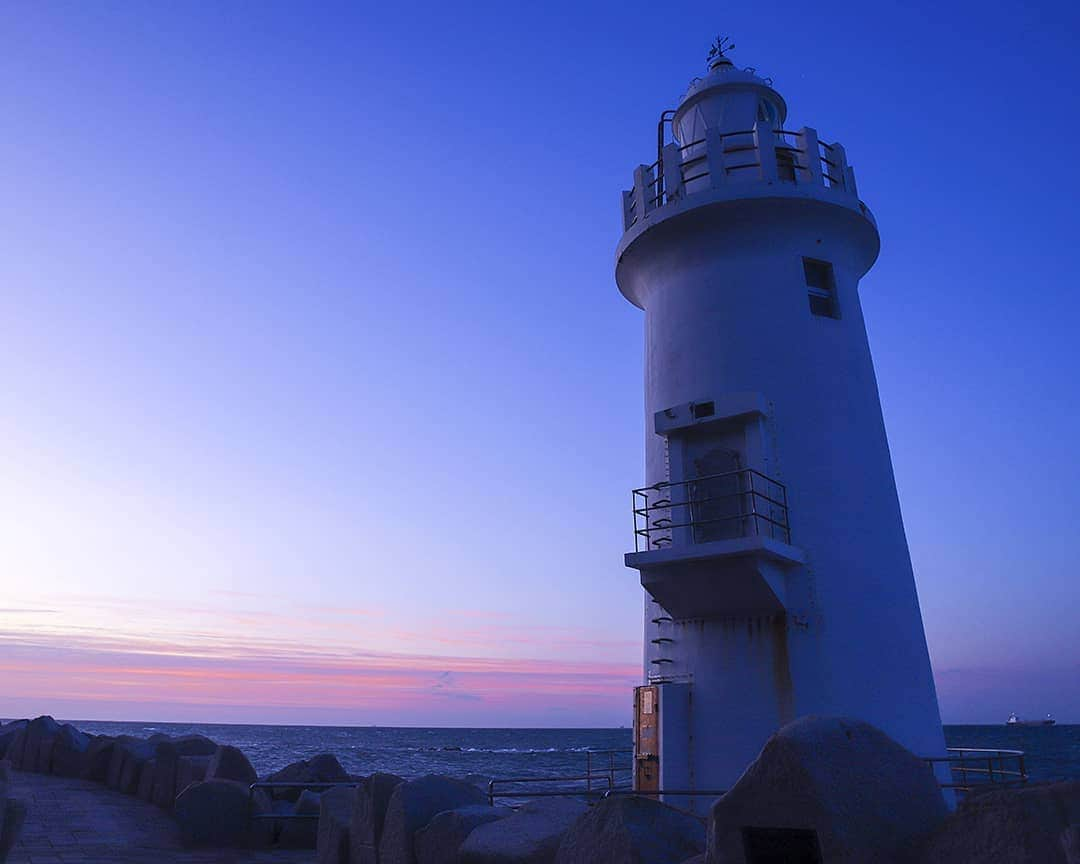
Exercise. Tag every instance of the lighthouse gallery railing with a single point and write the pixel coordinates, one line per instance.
(761, 154)
(726, 506)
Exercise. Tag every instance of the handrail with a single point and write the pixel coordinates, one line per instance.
(649, 508)
(492, 794)
(978, 770)
(759, 504)
(684, 792)
(605, 775)
(665, 484)
(644, 532)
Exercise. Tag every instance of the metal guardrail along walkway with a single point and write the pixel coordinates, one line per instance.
(971, 769)
(974, 768)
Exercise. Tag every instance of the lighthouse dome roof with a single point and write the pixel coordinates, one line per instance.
(728, 98)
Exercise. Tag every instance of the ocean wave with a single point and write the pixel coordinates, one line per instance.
(502, 751)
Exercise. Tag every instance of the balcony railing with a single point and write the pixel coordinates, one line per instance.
(743, 503)
(761, 154)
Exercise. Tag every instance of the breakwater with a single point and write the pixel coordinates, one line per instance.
(219, 798)
(1052, 753)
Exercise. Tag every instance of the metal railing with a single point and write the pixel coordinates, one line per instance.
(761, 154)
(742, 503)
(973, 768)
(603, 775)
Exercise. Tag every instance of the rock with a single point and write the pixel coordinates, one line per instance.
(40, 736)
(190, 769)
(369, 816)
(8, 731)
(145, 789)
(1021, 825)
(136, 755)
(69, 752)
(1070, 844)
(265, 830)
(323, 768)
(414, 804)
(167, 756)
(864, 796)
(230, 763)
(126, 761)
(116, 760)
(626, 829)
(17, 747)
(98, 757)
(213, 813)
(531, 836)
(335, 812)
(12, 814)
(438, 841)
(43, 763)
(302, 833)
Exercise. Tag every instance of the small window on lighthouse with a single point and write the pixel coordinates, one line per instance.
(821, 286)
(766, 113)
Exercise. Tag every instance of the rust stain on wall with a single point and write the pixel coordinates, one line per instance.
(781, 670)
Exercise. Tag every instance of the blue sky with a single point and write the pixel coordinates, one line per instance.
(313, 354)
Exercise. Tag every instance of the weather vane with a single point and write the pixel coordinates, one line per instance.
(722, 44)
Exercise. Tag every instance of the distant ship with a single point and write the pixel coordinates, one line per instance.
(1016, 721)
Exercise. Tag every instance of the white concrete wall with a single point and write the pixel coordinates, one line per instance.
(726, 310)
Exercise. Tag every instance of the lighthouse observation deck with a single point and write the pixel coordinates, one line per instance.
(740, 164)
(725, 506)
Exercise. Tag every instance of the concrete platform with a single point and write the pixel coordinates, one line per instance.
(84, 822)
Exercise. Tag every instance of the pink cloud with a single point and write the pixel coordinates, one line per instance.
(219, 676)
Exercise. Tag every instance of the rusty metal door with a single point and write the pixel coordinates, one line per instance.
(646, 738)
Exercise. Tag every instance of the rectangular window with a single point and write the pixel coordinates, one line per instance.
(821, 287)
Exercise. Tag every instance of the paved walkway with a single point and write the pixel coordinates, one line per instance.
(84, 822)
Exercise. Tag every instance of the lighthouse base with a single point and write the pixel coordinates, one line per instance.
(663, 746)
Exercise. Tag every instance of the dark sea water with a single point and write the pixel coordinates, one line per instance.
(474, 754)
(1052, 752)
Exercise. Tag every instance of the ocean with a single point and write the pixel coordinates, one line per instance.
(1052, 752)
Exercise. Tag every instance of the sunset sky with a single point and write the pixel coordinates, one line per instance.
(320, 403)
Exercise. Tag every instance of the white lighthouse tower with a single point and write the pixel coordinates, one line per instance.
(768, 534)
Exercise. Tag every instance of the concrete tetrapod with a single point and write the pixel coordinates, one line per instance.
(439, 841)
(833, 784)
(632, 830)
(531, 836)
(414, 804)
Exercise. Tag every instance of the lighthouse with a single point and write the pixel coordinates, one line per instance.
(768, 534)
